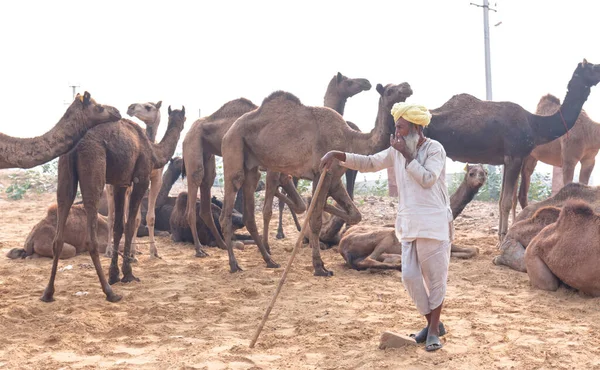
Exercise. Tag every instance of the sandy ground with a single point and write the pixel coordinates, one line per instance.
(190, 313)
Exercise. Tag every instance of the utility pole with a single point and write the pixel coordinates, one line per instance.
(486, 40)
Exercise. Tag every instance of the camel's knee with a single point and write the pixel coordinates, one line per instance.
(354, 217)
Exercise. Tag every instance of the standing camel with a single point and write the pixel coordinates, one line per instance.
(83, 114)
(119, 154)
(256, 139)
(339, 90)
(498, 133)
(580, 145)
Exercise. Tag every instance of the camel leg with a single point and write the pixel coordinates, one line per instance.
(280, 233)
(155, 184)
(293, 199)
(120, 197)
(316, 221)
(568, 170)
(210, 171)
(512, 254)
(65, 195)
(251, 181)
(587, 166)
(271, 184)
(350, 181)
(512, 167)
(463, 252)
(527, 169)
(232, 183)
(135, 199)
(370, 263)
(194, 179)
(540, 275)
(110, 200)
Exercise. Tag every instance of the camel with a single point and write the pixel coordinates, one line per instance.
(149, 113)
(180, 229)
(567, 251)
(364, 247)
(339, 90)
(498, 133)
(39, 241)
(519, 236)
(309, 132)
(529, 222)
(83, 114)
(580, 145)
(119, 154)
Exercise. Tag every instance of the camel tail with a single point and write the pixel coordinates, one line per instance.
(182, 168)
(16, 253)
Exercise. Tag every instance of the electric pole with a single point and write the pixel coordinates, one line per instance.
(74, 87)
(486, 40)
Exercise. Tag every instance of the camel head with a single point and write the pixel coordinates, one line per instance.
(476, 176)
(176, 118)
(146, 112)
(94, 112)
(348, 87)
(587, 73)
(390, 95)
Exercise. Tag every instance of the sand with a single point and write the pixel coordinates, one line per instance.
(191, 313)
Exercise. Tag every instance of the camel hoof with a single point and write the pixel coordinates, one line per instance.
(235, 268)
(323, 272)
(280, 236)
(273, 265)
(112, 297)
(48, 296)
(155, 255)
(108, 253)
(200, 253)
(238, 245)
(495, 261)
(129, 278)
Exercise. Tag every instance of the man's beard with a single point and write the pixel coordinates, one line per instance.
(412, 140)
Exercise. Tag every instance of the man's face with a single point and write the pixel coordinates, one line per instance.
(402, 127)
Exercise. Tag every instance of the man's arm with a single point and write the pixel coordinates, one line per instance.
(370, 163)
(429, 172)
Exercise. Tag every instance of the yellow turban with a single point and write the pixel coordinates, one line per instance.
(414, 113)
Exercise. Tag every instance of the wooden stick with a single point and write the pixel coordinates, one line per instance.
(287, 268)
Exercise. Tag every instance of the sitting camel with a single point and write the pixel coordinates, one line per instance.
(378, 247)
(580, 145)
(64, 136)
(528, 222)
(39, 240)
(567, 251)
(120, 154)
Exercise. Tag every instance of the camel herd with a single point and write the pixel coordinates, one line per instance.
(114, 162)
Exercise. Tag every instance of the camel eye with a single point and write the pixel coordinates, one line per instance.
(148, 108)
(472, 174)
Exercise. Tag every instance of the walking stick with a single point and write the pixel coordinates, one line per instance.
(287, 268)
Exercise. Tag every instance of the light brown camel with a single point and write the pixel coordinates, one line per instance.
(149, 113)
(498, 133)
(365, 246)
(39, 240)
(309, 132)
(83, 114)
(580, 145)
(527, 225)
(339, 90)
(567, 251)
(119, 154)
(520, 234)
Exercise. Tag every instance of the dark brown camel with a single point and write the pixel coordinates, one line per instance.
(567, 251)
(309, 132)
(366, 247)
(503, 133)
(119, 154)
(83, 114)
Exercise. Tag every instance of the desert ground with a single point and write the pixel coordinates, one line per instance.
(191, 313)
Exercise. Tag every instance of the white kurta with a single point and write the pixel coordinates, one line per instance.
(424, 221)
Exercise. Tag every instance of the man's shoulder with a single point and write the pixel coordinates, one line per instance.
(435, 145)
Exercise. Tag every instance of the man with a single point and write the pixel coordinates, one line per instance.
(424, 221)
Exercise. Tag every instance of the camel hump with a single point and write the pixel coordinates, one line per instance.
(282, 95)
(548, 105)
(181, 201)
(550, 98)
(232, 108)
(578, 208)
(546, 214)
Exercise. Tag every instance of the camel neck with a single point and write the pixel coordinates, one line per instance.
(461, 197)
(334, 101)
(163, 151)
(152, 127)
(169, 178)
(379, 137)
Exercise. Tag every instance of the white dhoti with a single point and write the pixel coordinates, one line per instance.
(425, 272)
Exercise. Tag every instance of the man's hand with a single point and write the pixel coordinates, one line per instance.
(398, 143)
(331, 156)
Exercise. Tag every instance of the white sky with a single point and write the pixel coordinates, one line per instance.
(203, 54)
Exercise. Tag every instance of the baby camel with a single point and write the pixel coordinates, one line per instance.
(119, 154)
(378, 247)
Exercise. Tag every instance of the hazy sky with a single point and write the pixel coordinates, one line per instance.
(203, 54)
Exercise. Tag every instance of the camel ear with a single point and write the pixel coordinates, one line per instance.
(380, 89)
(584, 61)
(169, 110)
(86, 98)
(183, 109)
(466, 167)
(157, 105)
(339, 77)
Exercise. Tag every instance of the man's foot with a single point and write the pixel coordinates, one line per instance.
(433, 343)
(421, 336)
